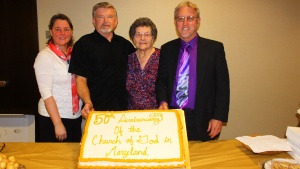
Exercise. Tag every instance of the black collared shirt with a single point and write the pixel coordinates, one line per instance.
(104, 65)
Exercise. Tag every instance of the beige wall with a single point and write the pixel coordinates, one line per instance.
(262, 45)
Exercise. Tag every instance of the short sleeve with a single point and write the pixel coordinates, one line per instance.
(78, 63)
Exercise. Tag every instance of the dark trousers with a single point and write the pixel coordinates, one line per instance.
(47, 132)
(191, 128)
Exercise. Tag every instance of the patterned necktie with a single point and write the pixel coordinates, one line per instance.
(183, 78)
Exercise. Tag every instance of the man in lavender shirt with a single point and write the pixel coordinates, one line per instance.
(208, 81)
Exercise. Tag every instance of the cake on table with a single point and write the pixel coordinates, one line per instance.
(134, 139)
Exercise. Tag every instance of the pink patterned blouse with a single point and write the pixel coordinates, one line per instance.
(140, 84)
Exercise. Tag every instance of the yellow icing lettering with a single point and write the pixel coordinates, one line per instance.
(145, 139)
(154, 117)
(103, 118)
(118, 130)
(132, 129)
(155, 141)
(98, 119)
(130, 141)
(105, 141)
(113, 150)
(93, 141)
(168, 140)
(126, 153)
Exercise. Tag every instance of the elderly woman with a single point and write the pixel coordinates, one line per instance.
(142, 66)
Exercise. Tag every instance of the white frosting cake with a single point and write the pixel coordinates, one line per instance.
(133, 139)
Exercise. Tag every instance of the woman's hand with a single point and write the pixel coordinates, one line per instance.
(60, 132)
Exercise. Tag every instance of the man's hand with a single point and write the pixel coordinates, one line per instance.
(214, 127)
(163, 106)
(84, 94)
(86, 109)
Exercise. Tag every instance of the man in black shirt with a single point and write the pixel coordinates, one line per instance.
(99, 61)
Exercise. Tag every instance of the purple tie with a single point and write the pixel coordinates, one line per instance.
(183, 78)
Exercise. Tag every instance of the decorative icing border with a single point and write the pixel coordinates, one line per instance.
(181, 143)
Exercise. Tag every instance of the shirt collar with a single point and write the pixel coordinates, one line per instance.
(98, 35)
(192, 42)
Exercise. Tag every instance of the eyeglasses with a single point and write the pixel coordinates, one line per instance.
(146, 35)
(188, 18)
(2, 146)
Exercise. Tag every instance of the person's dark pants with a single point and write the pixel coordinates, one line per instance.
(47, 132)
(191, 129)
